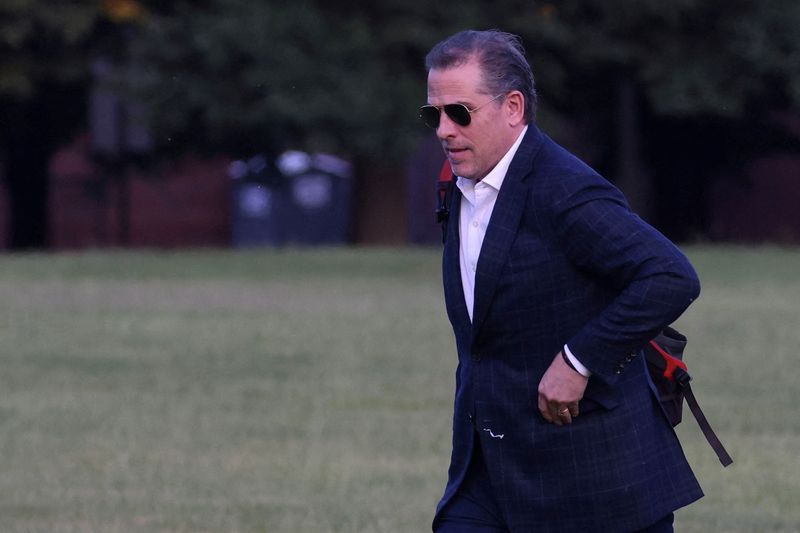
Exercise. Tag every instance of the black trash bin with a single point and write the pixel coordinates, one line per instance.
(318, 192)
(260, 203)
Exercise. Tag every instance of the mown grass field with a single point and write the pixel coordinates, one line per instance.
(311, 390)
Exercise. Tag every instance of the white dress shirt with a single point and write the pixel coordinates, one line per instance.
(477, 204)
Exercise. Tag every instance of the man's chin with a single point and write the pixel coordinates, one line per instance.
(462, 169)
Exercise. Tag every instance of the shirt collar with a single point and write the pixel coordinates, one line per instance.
(496, 176)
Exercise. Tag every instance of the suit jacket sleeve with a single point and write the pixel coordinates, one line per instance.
(653, 281)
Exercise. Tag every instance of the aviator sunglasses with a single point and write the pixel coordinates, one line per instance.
(458, 113)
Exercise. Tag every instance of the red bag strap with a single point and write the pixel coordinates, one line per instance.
(671, 363)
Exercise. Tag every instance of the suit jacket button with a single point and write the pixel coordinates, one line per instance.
(476, 357)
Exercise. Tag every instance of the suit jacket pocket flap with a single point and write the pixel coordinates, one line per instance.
(598, 396)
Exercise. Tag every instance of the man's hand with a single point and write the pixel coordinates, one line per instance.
(560, 391)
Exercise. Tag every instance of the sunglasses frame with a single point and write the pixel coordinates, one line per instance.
(452, 111)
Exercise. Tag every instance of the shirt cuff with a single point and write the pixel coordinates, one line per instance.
(582, 370)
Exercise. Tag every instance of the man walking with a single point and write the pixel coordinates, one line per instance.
(552, 286)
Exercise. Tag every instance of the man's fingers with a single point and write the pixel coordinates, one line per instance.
(555, 412)
(560, 390)
(544, 409)
(563, 414)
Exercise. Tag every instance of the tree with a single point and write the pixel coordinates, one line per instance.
(41, 63)
(244, 75)
(45, 51)
(686, 88)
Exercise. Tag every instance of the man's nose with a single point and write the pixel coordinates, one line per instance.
(447, 128)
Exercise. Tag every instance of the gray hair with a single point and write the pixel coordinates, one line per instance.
(501, 57)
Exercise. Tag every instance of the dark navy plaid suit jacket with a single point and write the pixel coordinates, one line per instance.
(564, 260)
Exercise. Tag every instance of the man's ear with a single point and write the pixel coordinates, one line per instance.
(515, 108)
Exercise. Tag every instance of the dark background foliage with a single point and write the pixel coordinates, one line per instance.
(659, 96)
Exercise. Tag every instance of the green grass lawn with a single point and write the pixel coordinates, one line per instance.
(311, 390)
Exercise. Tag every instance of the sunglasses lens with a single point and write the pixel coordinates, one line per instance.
(458, 113)
(429, 116)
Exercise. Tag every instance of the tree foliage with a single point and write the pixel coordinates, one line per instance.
(690, 57)
(236, 74)
(43, 42)
(243, 76)
(246, 75)
(252, 75)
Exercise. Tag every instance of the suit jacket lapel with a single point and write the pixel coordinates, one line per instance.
(454, 289)
(502, 229)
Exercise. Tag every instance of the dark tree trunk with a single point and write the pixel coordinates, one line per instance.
(27, 152)
(30, 132)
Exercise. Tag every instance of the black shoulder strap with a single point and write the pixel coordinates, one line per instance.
(711, 437)
(444, 190)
